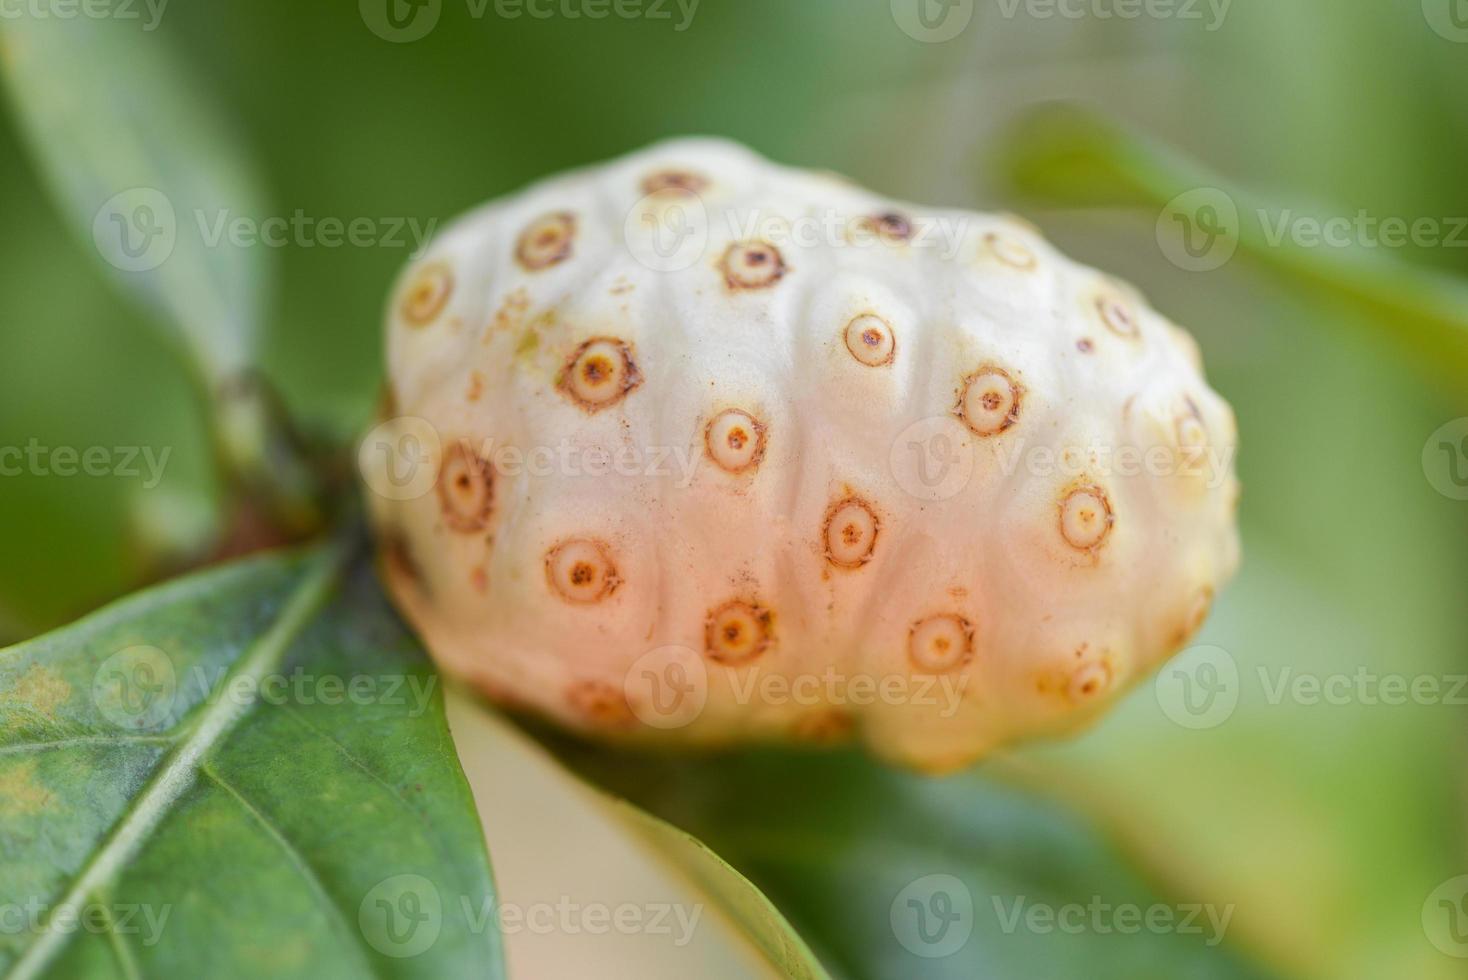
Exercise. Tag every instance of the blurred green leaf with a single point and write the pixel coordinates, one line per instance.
(253, 767)
(1332, 822)
(73, 364)
(145, 167)
(892, 875)
(745, 903)
(485, 732)
(1071, 156)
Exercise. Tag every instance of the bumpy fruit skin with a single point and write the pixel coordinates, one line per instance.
(915, 514)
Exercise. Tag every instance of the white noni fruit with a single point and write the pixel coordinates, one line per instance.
(692, 446)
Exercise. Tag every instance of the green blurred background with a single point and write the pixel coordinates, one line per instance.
(1329, 825)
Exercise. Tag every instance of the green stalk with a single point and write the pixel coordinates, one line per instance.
(266, 464)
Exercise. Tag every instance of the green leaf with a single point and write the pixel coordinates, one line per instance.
(895, 875)
(143, 165)
(147, 170)
(1073, 157)
(771, 934)
(483, 734)
(243, 773)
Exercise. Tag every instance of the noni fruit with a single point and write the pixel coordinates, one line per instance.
(695, 447)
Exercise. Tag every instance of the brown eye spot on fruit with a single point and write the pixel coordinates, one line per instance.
(1089, 682)
(428, 294)
(1086, 518)
(465, 489)
(828, 727)
(581, 571)
(940, 644)
(990, 402)
(600, 704)
(871, 340)
(1118, 316)
(1012, 253)
(548, 241)
(735, 441)
(600, 373)
(737, 632)
(1191, 434)
(891, 227)
(752, 265)
(675, 182)
(1085, 345)
(851, 532)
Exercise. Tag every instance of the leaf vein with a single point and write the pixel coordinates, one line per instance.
(125, 958)
(26, 748)
(178, 772)
(296, 716)
(297, 859)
